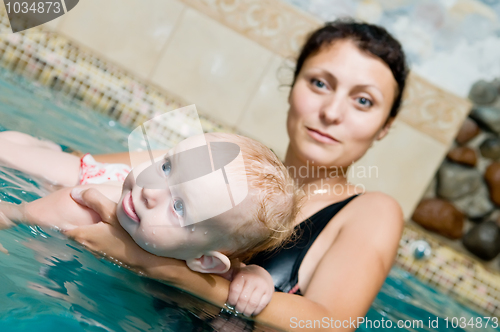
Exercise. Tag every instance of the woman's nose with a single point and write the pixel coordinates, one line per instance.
(153, 196)
(333, 109)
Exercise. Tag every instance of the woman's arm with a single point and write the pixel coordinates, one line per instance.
(340, 289)
(55, 210)
(358, 262)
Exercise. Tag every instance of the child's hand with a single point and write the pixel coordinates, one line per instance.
(9, 213)
(251, 290)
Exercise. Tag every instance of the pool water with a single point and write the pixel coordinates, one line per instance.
(48, 282)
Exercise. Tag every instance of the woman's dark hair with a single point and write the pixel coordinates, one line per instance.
(368, 38)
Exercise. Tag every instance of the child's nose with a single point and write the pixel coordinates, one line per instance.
(153, 197)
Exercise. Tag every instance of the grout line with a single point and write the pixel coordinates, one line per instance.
(253, 94)
(166, 44)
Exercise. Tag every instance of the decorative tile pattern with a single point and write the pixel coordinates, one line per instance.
(273, 24)
(459, 275)
(433, 111)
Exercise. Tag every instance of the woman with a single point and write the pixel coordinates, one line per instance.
(345, 95)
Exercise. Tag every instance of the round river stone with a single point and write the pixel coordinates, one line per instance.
(439, 216)
(455, 181)
(463, 155)
(483, 240)
(490, 148)
(483, 92)
(468, 131)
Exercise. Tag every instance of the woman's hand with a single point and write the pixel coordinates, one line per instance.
(109, 239)
(106, 237)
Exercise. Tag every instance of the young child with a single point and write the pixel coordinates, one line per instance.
(155, 216)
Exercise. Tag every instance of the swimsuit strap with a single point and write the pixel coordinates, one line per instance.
(283, 264)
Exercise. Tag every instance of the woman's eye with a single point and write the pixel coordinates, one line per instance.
(166, 167)
(179, 207)
(364, 101)
(318, 83)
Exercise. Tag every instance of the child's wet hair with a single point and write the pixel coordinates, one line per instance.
(275, 199)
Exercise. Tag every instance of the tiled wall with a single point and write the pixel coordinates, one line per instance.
(223, 57)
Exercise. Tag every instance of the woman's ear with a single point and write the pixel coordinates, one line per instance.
(212, 262)
(385, 130)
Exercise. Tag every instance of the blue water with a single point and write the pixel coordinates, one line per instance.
(49, 283)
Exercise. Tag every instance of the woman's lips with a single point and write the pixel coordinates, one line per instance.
(321, 137)
(128, 207)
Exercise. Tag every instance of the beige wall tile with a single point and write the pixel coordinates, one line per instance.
(52, 25)
(406, 160)
(131, 33)
(265, 118)
(211, 66)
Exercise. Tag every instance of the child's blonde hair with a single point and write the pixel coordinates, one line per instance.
(275, 199)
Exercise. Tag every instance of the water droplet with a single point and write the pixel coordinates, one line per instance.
(154, 232)
(192, 229)
(154, 245)
(206, 232)
(147, 243)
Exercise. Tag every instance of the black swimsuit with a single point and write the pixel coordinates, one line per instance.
(283, 264)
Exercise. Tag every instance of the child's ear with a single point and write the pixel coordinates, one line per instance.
(212, 262)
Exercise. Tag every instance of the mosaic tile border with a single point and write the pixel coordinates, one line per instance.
(454, 273)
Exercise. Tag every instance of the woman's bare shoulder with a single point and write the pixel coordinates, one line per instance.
(375, 209)
(375, 221)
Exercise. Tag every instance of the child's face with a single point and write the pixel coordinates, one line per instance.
(156, 216)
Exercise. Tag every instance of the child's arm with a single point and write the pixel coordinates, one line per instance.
(250, 290)
(55, 210)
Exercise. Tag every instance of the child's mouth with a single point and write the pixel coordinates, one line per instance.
(128, 207)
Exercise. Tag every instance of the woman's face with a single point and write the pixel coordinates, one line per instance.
(338, 105)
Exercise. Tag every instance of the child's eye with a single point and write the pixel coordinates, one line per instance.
(166, 167)
(179, 207)
(364, 101)
(318, 83)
